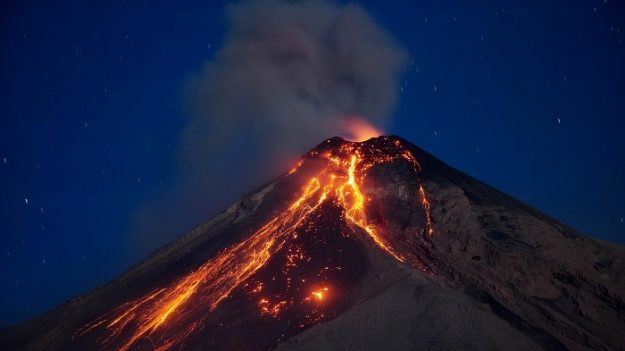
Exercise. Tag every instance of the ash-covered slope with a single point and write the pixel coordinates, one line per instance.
(362, 246)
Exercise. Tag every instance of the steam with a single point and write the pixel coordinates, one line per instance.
(290, 74)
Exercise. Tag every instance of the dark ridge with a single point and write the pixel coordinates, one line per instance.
(541, 337)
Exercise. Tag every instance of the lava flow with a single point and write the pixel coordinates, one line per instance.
(167, 316)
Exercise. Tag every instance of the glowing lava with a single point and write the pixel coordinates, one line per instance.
(358, 129)
(339, 183)
(319, 294)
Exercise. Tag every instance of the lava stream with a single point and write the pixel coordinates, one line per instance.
(208, 285)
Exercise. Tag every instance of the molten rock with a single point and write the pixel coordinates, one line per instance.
(365, 246)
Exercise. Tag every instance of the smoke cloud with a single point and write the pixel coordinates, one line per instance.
(288, 75)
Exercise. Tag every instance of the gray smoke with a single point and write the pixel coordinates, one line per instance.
(288, 73)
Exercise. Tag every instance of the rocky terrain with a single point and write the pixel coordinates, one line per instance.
(460, 265)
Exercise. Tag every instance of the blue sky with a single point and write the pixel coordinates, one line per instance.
(526, 96)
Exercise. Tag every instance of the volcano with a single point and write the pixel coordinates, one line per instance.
(372, 245)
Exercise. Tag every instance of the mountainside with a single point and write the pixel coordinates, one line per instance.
(362, 246)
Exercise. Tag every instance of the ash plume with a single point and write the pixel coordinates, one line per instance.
(288, 75)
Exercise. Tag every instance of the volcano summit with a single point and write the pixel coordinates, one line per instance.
(362, 246)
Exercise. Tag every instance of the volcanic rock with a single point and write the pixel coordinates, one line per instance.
(430, 259)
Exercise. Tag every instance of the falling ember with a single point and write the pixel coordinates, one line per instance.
(358, 129)
(165, 315)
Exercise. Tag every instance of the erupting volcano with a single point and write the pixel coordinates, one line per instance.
(331, 201)
(369, 244)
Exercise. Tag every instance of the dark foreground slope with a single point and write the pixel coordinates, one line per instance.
(505, 277)
(493, 274)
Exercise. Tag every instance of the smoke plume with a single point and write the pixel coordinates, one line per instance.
(289, 74)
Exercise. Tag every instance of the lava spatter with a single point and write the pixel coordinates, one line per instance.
(278, 266)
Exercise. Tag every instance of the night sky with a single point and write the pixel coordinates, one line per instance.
(528, 97)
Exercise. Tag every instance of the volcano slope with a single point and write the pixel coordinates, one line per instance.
(362, 246)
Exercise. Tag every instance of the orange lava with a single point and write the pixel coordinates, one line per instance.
(340, 181)
(319, 294)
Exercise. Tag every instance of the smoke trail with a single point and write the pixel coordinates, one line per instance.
(287, 75)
